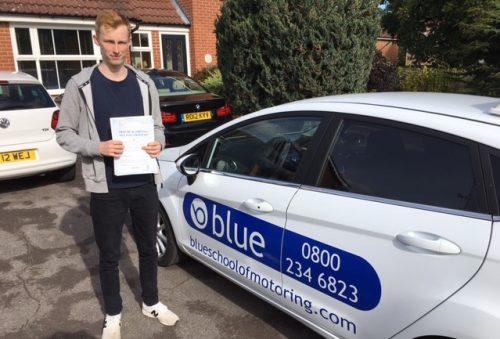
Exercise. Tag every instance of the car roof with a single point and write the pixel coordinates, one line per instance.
(469, 107)
(17, 77)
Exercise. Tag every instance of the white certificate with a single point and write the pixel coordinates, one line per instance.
(135, 132)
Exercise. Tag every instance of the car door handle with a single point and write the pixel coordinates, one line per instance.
(428, 242)
(258, 205)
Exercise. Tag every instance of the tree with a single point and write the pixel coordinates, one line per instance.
(457, 33)
(275, 51)
(383, 76)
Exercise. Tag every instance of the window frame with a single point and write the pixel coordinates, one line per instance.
(141, 49)
(175, 32)
(493, 198)
(38, 57)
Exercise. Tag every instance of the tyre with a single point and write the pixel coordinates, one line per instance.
(168, 252)
(64, 174)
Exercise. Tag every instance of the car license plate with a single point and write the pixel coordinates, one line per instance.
(196, 116)
(17, 156)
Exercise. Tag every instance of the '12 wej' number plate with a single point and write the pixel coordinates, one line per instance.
(17, 156)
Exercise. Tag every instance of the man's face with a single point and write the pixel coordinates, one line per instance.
(114, 44)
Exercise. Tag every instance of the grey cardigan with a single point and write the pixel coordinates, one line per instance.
(76, 130)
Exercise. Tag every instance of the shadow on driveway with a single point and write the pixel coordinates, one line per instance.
(78, 223)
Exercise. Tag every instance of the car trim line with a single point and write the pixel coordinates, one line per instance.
(246, 177)
(468, 214)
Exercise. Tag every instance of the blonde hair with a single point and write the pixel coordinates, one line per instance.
(110, 18)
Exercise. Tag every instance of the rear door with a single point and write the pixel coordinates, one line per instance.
(396, 224)
(235, 211)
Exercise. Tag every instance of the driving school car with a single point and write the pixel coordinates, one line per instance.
(363, 216)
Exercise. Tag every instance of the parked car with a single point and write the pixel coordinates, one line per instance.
(28, 117)
(188, 109)
(363, 216)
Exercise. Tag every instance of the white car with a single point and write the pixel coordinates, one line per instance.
(28, 117)
(363, 216)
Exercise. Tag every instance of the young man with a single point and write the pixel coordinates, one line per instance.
(91, 98)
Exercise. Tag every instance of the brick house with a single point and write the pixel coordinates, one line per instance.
(52, 39)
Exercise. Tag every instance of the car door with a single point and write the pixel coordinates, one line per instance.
(235, 210)
(395, 225)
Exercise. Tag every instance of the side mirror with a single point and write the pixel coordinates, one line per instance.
(189, 165)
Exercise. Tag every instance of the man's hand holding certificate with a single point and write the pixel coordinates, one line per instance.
(137, 138)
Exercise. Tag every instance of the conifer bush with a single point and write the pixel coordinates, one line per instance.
(384, 75)
(275, 51)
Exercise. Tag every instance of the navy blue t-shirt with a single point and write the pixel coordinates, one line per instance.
(116, 99)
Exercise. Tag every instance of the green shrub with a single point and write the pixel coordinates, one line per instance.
(425, 79)
(384, 75)
(275, 51)
(435, 79)
(211, 79)
(204, 73)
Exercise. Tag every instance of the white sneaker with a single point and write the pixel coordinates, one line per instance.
(111, 328)
(160, 312)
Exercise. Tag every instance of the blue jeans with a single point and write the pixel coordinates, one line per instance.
(108, 212)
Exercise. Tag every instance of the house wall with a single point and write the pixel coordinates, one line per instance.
(6, 55)
(155, 37)
(202, 15)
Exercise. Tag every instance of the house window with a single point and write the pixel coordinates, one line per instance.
(174, 52)
(54, 55)
(141, 50)
(23, 41)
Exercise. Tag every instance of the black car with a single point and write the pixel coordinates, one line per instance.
(188, 110)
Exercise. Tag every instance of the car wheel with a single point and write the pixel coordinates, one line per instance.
(168, 252)
(64, 174)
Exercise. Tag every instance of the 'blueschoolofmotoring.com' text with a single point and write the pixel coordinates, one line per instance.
(288, 295)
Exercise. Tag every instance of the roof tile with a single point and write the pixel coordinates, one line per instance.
(160, 12)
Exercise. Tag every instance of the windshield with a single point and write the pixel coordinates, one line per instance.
(23, 96)
(176, 85)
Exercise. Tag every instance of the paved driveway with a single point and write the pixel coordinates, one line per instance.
(49, 278)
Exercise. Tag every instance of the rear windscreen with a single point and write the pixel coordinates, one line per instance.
(176, 85)
(23, 96)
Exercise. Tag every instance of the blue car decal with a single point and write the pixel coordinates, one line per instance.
(337, 273)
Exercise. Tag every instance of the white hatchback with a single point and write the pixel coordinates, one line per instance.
(28, 117)
(364, 216)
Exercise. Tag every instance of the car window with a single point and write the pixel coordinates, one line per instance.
(23, 96)
(271, 149)
(401, 164)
